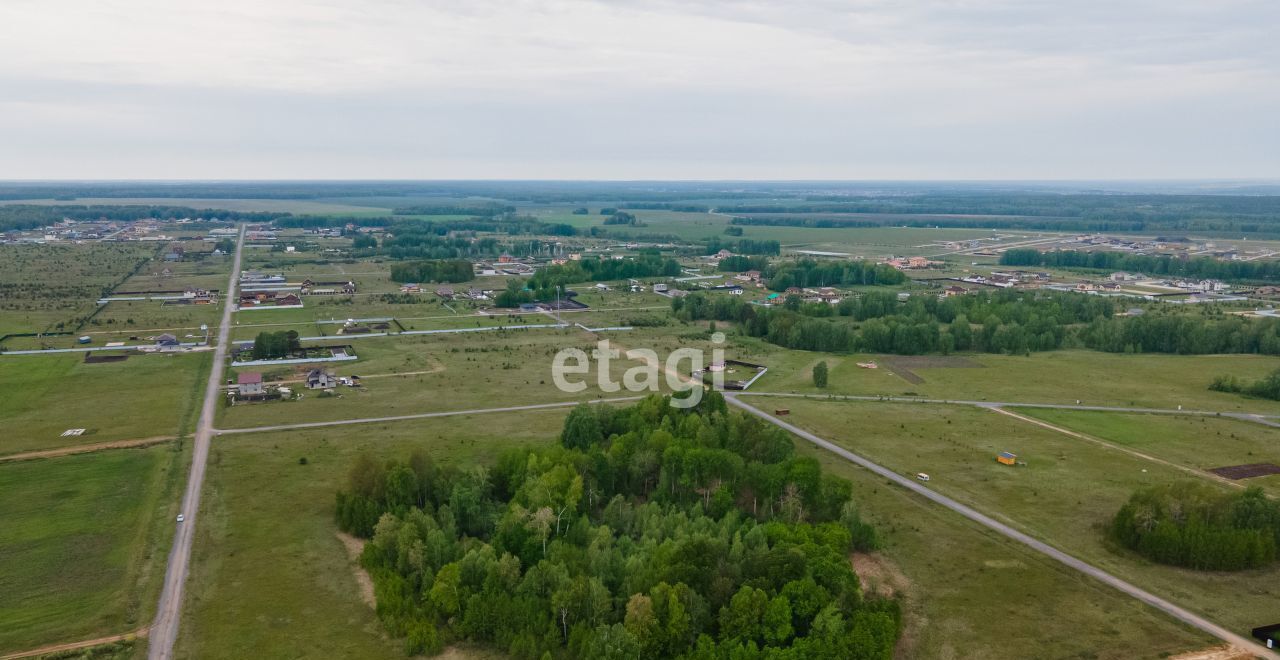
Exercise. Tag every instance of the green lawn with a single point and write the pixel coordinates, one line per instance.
(83, 542)
(144, 396)
(1065, 496)
(269, 577)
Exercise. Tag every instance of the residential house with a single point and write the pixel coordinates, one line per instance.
(167, 342)
(249, 383)
(319, 379)
(410, 288)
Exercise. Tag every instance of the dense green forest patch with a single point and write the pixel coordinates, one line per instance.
(652, 531)
(1197, 526)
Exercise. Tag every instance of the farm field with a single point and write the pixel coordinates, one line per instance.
(270, 578)
(142, 397)
(965, 591)
(84, 541)
(1066, 494)
(417, 374)
(1203, 443)
(1149, 380)
(54, 287)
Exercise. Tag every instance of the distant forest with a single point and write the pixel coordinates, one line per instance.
(1197, 267)
(1142, 208)
(1048, 212)
(1011, 322)
(19, 217)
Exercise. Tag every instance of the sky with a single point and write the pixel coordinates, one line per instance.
(639, 89)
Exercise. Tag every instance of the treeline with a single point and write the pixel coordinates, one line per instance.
(287, 221)
(591, 269)
(1196, 267)
(622, 218)
(274, 345)
(1194, 525)
(1040, 211)
(739, 263)
(458, 239)
(1183, 333)
(1011, 322)
(742, 246)
(811, 272)
(1263, 388)
(651, 531)
(477, 210)
(441, 270)
(667, 206)
(20, 217)
(542, 286)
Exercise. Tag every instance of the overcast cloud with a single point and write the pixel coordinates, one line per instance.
(622, 89)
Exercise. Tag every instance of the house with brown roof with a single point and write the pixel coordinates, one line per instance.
(249, 383)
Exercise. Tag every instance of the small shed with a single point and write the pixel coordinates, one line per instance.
(1007, 458)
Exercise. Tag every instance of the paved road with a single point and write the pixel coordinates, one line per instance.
(1247, 417)
(1161, 604)
(400, 418)
(164, 631)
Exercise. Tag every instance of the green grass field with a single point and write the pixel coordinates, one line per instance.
(83, 543)
(1093, 378)
(1198, 442)
(53, 287)
(1065, 495)
(269, 576)
(969, 593)
(417, 374)
(144, 396)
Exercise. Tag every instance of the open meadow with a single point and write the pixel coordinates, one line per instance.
(1203, 443)
(144, 396)
(430, 373)
(83, 541)
(1065, 376)
(1066, 494)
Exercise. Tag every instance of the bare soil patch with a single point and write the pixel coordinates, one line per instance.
(1248, 471)
(1223, 652)
(84, 449)
(880, 576)
(75, 646)
(903, 365)
(354, 548)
